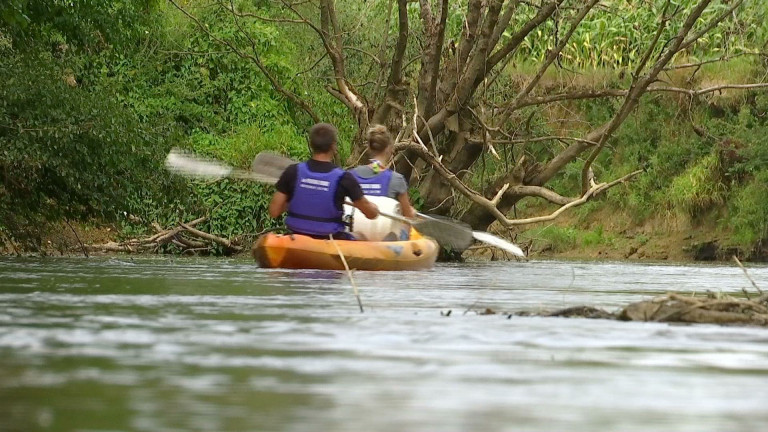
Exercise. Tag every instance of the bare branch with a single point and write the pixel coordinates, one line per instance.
(256, 60)
(594, 190)
(553, 55)
(381, 72)
(659, 30)
(717, 60)
(331, 37)
(544, 13)
(330, 26)
(541, 192)
(434, 33)
(544, 138)
(362, 51)
(641, 83)
(468, 33)
(314, 65)
(260, 17)
(490, 205)
(584, 94)
(713, 89)
(395, 88)
(503, 22)
(712, 24)
(466, 86)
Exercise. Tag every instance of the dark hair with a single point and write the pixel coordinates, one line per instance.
(378, 138)
(321, 137)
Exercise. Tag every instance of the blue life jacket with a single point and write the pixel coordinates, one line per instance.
(312, 209)
(377, 185)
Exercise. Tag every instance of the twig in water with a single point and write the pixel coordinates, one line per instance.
(349, 272)
(471, 306)
(82, 246)
(748, 276)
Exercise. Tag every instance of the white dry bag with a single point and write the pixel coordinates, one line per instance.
(380, 228)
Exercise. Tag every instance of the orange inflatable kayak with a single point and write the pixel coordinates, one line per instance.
(301, 252)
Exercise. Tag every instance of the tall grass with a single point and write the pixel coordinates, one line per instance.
(698, 189)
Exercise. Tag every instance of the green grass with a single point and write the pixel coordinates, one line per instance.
(562, 239)
(748, 212)
(698, 189)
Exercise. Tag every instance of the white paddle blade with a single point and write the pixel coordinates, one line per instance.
(498, 242)
(180, 162)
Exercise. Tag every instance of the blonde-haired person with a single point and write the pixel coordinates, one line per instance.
(376, 178)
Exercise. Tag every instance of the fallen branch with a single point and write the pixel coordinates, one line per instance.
(210, 237)
(490, 205)
(594, 190)
(708, 309)
(168, 235)
(172, 236)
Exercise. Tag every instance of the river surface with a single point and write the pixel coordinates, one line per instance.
(168, 344)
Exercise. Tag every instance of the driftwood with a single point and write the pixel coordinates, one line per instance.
(671, 308)
(708, 308)
(184, 236)
(699, 309)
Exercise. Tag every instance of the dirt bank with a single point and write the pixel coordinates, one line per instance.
(607, 234)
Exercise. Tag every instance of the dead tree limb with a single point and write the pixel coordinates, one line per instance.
(210, 237)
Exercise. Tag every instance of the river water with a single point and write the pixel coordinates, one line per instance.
(168, 344)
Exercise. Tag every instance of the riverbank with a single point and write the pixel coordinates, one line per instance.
(611, 234)
(569, 237)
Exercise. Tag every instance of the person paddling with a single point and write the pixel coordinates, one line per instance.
(313, 192)
(375, 178)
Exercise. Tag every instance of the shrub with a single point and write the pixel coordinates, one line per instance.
(748, 212)
(68, 153)
(698, 188)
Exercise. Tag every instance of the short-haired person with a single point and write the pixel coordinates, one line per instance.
(313, 192)
(375, 178)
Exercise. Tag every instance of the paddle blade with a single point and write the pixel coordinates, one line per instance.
(269, 164)
(498, 242)
(183, 163)
(446, 233)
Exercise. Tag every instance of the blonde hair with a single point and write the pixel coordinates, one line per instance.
(379, 138)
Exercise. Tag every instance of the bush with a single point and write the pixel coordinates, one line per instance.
(699, 188)
(559, 239)
(68, 153)
(748, 212)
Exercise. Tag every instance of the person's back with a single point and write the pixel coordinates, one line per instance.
(313, 192)
(375, 178)
(313, 209)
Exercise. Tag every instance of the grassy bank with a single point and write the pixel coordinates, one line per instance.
(94, 94)
(704, 190)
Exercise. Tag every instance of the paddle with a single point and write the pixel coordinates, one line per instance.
(189, 165)
(272, 164)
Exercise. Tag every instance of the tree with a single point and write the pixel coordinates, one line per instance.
(442, 87)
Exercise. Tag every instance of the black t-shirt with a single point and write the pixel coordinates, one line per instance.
(348, 185)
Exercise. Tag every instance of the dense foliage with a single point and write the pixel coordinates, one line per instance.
(93, 94)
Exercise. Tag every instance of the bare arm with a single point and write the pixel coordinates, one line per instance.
(278, 205)
(405, 206)
(369, 209)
